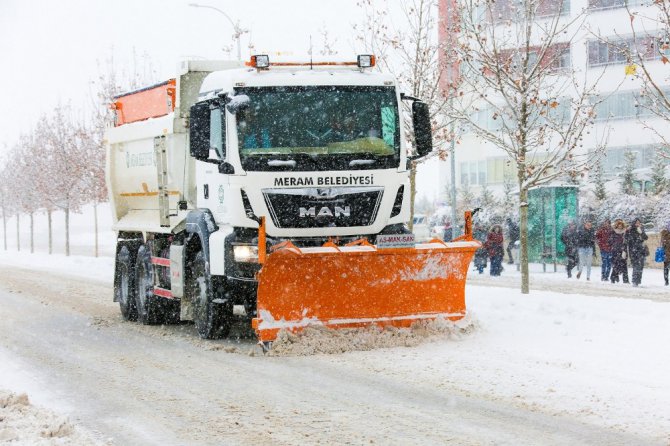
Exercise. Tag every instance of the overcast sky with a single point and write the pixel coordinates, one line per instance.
(51, 50)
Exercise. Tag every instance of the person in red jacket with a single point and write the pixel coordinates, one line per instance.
(603, 235)
(494, 246)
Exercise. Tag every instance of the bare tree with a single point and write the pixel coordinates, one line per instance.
(65, 144)
(410, 52)
(95, 188)
(27, 196)
(14, 189)
(519, 92)
(646, 49)
(105, 88)
(108, 84)
(5, 198)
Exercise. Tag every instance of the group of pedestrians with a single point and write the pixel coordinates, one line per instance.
(493, 246)
(618, 244)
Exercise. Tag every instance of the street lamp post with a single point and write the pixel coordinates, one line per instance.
(236, 26)
(452, 155)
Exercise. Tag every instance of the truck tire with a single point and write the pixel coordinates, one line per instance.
(212, 320)
(171, 311)
(124, 283)
(149, 308)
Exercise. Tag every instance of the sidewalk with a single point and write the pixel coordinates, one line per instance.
(652, 286)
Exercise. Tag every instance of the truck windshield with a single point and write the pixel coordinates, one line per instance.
(319, 128)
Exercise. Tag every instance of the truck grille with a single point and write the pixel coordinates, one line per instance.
(323, 208)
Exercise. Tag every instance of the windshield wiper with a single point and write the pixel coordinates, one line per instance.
(353, 163)
(281, 163)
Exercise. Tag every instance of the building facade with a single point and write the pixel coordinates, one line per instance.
(622, 123)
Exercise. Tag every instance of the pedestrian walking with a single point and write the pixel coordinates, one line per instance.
(481, 255)
(637, 249)
(665, 243)
(586, 245)
(494, 246)
(603, 234)
(568, 237)
(619, 252)
(512, 238)
(448, 234)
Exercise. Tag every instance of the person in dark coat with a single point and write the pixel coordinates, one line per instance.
(481, 255)
(603, 239)
(637, 250)
(665, 243)
(619, 248)
(512, 237)
(494, 246)
(448, 231)
(568, 236)
(586, 247)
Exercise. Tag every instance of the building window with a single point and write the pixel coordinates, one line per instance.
(555, 58)
(621, 51)
(498, 169)
(611, 4)
(548, 111)
(510, 10)
(623, 105)
(473, 173)
(614, 159)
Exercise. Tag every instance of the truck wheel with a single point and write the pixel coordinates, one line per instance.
(149, 308)
(124, 283)
(171, 311)
(212, 320)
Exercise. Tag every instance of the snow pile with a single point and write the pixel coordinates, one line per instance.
(322, 340)
(23, 423)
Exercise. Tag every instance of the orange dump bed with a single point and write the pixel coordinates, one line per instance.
(151, 102)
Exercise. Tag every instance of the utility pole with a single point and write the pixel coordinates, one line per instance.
(452, 157)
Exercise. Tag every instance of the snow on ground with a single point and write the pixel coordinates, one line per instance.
(22, 423)
(604, 358)
(100, 269)
(572, 348)
(38, 419)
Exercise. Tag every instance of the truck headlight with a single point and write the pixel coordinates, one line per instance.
(245, 253)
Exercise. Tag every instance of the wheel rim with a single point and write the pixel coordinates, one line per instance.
(200, 293)
(124, 291)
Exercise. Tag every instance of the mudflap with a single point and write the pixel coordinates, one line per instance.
(354, 286)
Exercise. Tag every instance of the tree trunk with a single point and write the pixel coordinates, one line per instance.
(412, 193)
(4, 228)
(67, 231)
(523, 230)
(50, 232)
(95, 217)
(32, 233)
(18, 236)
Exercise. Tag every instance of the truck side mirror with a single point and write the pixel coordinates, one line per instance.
(199, 131)
(422, 128)
(236, 103)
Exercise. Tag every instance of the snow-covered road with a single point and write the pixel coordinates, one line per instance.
(543, 369)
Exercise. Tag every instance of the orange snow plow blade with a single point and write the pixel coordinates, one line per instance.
(354, 286)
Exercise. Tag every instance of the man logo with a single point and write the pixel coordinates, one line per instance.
(325, 212)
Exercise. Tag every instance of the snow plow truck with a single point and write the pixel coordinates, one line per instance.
(275, 192)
